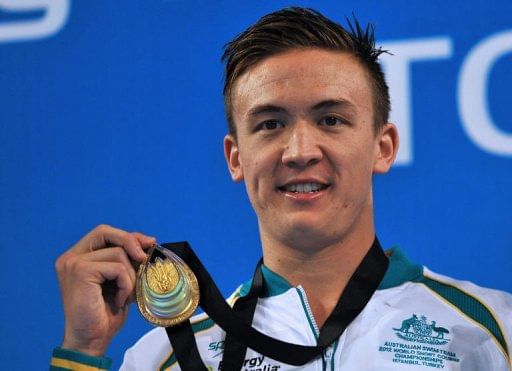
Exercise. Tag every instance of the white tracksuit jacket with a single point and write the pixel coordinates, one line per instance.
(416, 320)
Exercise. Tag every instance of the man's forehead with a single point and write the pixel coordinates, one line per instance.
(299, 62)
(315, 74)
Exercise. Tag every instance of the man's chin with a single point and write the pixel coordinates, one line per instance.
(308, 236)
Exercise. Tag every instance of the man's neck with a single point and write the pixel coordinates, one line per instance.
(323, 273)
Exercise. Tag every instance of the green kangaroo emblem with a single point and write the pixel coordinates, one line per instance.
(418, 330)
(407, 323)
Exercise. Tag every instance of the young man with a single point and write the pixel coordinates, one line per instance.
(307, 107)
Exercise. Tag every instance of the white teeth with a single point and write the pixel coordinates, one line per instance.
(304, 187)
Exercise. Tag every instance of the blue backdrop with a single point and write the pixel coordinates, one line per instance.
(112, 113)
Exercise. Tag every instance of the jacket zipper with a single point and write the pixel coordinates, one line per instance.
(312, 322)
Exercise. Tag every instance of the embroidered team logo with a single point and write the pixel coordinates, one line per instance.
(418, 330)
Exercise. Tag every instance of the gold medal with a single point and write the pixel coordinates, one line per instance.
(166, 289)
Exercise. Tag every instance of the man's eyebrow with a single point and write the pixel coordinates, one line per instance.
(332, 103)
(265, 108)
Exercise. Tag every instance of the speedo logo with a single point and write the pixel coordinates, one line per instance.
(216, 346)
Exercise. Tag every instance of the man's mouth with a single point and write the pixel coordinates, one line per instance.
(303, 187)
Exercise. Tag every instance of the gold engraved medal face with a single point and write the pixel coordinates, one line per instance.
(167, 291)
(162, 276)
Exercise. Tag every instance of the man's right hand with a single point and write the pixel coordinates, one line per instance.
(97, 280)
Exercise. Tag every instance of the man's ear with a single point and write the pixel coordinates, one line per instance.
(387, 148)
(233, 158)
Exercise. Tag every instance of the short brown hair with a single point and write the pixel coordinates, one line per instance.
(293, 28)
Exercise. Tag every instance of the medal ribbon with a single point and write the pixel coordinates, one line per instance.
(236, 321)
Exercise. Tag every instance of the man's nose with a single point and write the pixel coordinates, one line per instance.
(302, 147)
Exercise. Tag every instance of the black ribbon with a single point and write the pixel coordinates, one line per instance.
(236, 321)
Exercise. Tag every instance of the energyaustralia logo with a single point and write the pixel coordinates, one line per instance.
(420, 331)
(18, 24)
(257, 363)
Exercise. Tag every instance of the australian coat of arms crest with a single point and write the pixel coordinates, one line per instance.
(420, 331)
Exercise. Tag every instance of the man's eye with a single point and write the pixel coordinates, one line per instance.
(271, 125)
(331, 121)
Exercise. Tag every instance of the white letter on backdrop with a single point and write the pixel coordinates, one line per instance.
(54, 17)
(398, 73)
(472, 94)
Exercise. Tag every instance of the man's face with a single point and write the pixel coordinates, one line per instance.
(306, 146)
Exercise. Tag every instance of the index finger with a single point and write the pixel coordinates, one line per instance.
(106, 236)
